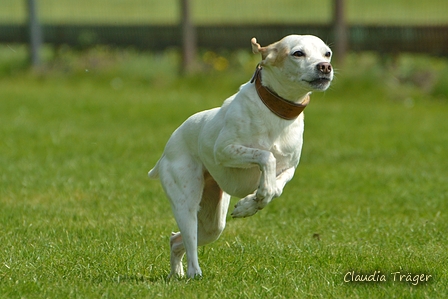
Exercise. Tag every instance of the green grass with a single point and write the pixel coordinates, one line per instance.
(80, 219)
(230, 11)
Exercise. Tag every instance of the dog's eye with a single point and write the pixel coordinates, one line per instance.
(328, 54)
(298, 54)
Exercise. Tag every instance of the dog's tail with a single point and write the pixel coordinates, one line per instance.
(154, 173)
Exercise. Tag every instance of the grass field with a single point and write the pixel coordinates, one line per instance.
(80, 218)
(230, 11)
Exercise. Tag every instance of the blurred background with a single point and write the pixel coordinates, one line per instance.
(383, 26)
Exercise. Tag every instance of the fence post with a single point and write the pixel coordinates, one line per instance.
(34, 32)
(340, 30)
(189, 47)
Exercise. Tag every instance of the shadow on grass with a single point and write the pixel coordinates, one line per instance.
(138, 278)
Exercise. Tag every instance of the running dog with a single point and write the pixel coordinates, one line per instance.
(248, 148)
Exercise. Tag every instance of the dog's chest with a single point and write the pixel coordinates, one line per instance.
(285, 147)
(285, 151)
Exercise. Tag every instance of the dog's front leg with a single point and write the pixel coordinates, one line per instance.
(243, 157)
(249, 205)
(240, 156)
(283, 178)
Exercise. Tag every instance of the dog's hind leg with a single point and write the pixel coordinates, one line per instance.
(182, 179)
(212, 212)
(211, 220)
(177, 253)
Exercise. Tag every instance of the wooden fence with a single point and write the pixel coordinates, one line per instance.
(386, 39)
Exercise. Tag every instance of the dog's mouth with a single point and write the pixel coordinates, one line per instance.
(319, 83)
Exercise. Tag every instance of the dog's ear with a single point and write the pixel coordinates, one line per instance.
(268, 54)
(256, 48)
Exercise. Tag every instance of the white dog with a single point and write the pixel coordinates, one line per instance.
(248, 148)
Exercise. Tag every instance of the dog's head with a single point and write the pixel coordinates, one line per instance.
(296, 62)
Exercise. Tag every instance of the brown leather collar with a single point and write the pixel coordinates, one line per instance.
(278, 105)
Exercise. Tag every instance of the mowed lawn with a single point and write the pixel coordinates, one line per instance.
(80, 219)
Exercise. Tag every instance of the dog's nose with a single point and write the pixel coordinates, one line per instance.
(324, 67)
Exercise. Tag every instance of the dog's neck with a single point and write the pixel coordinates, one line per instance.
(279, 106)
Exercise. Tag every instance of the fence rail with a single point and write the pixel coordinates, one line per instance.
(386, 39)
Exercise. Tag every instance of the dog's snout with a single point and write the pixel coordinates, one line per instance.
(324, 67)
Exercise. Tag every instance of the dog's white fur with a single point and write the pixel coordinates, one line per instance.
(241, 149)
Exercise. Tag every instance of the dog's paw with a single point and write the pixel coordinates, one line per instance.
(246, 207)
(266, 193)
